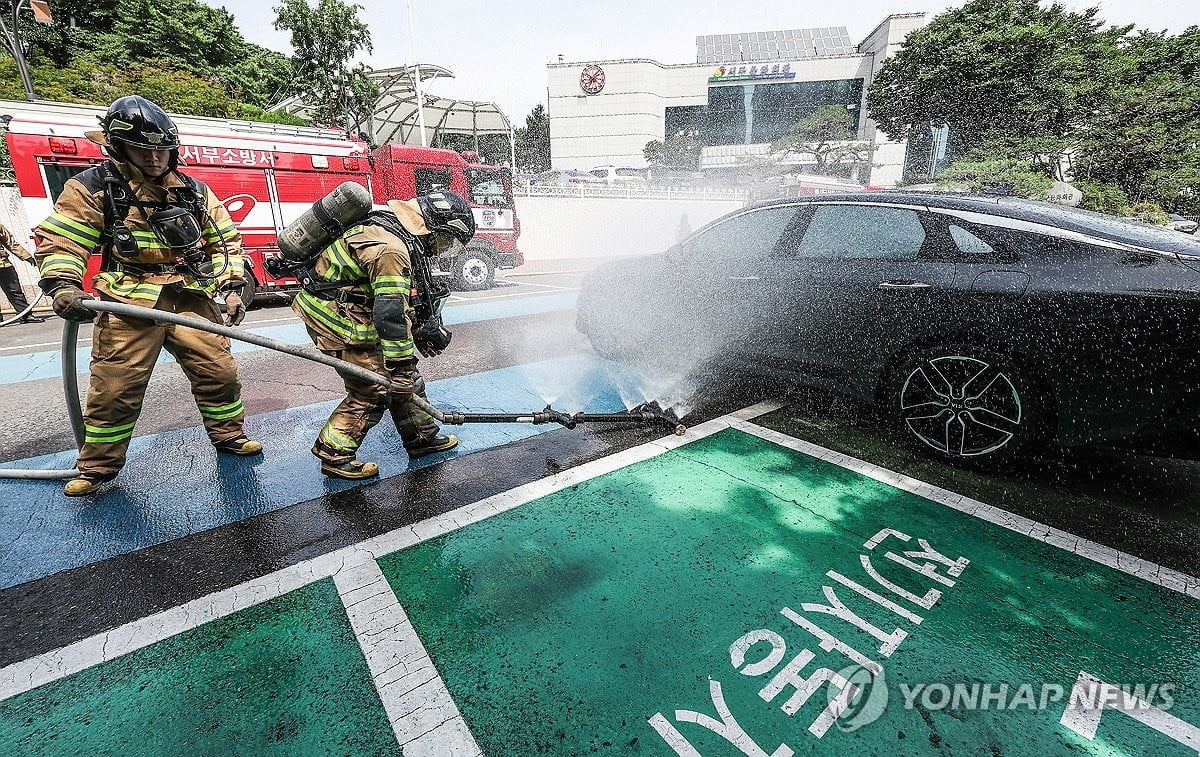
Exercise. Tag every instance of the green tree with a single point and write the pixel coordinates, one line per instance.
(997, 68)
(826, 136)
(182, 35)
(1144, 136)
(679, 150)
(1010, 176)
(1103, 198)
(533, 142)
(324, 41)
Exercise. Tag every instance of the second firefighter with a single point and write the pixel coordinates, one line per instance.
(355, 305)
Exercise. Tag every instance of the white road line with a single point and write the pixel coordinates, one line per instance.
(20, 677)
(418, 704)
(576, 271)
(1094, 551)
(548, 286)
(28, 347)
(514, 294)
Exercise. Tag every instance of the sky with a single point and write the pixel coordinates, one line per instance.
(498, 51)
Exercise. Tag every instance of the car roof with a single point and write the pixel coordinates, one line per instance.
(1020, 212)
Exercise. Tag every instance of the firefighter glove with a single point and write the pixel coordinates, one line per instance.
(68, 304)
(235, 310)
(401, 372)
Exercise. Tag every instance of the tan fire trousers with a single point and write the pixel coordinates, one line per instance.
(364, 407)
(124, 351)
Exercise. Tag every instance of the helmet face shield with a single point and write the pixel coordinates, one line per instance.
(447, 213)
(446, 244)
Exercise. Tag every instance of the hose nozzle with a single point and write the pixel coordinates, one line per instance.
(652, 412)
(550, 415)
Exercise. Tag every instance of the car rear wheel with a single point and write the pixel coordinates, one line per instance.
(473, 270)
(969, 404)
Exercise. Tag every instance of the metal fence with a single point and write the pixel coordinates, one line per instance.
(634, 191)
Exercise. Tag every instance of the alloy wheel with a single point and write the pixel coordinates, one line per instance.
(961, 406)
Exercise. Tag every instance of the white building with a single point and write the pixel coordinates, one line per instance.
(743, 91)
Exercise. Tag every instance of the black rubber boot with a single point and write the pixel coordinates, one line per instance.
(423, 447)
(351, 470)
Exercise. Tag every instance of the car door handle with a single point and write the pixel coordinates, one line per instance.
(904, 285)
(743, 278)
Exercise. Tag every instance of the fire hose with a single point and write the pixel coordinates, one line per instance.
(649, 413)
(28, 309)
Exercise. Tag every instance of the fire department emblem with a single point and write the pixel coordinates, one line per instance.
(591, 80)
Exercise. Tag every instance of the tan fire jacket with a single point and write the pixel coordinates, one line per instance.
(71, 234)
(9, 243)
(372, 263)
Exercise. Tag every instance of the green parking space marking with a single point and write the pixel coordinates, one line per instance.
(282, 677)
(735, 596)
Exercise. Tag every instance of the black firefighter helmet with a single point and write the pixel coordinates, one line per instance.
(448, 213)
(137, 122)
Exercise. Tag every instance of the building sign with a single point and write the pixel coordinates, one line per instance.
(755, 72)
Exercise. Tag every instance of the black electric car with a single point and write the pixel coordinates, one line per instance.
(982, 326)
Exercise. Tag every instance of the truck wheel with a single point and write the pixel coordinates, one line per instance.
(473, 270)
(247, 293)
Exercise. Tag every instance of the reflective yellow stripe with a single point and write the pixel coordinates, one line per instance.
(221, 412)
(336, 440)
(345, 329)
(391, 285)
(78, 232)
(61, 261)
(102, 435)
(340, 255)
(392, 349)
(134, 290)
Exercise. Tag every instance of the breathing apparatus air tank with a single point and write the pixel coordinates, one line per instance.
(323, 223)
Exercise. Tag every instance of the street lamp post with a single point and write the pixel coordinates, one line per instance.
(12, 40)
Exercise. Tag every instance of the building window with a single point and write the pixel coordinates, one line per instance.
(757, 113)
(685, 119)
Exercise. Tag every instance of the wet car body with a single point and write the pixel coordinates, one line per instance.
(983, 326)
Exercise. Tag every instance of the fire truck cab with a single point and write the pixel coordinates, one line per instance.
(404, 171)
(266, 175)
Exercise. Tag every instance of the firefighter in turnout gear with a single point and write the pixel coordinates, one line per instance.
(8, 275)
(356, 306)
(167, 243)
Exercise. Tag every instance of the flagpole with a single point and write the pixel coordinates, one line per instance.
(416, 74)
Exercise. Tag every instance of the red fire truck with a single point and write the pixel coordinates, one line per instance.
(268, 174)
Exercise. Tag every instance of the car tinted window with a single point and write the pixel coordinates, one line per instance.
(750, 235)
(863, 231)
(968, 242)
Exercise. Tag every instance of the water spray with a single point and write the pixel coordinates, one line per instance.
(647, 414)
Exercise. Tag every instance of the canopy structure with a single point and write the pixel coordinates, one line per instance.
(397, 119)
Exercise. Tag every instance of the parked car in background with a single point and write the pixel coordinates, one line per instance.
(620, 174)
(672, 176)
(983, 327)
(566, 178)
(1180, 223)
